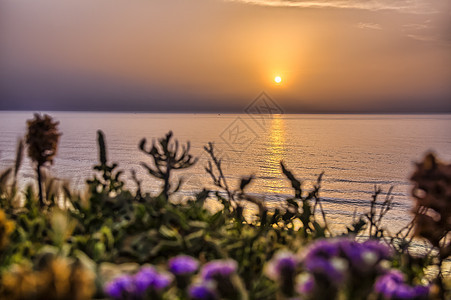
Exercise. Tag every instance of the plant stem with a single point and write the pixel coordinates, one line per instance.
(41, 197)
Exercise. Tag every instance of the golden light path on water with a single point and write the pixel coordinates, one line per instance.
(275, 152)
(269, 173)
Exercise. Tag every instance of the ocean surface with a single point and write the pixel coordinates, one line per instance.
(355, 152)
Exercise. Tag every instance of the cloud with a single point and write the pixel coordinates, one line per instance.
(414, 26)
(407, 6)
(423, 32)
(369, 26)
(423, 38)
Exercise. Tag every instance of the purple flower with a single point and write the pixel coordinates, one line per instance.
(148, 278)
(283, 263)
(352, 250)
(203, 291)
(421, 291)
(305, 284)
(282, 267)
(392, 286)
(403, 292)
(144, 278)
(120, 286)
(162, 281)
(362, 257)
(329, 259)
(218, 268)
(382, 250)
(324, 249)
(331, 269)
(183, 264)
(220, 272)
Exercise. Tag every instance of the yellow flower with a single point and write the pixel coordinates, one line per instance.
(6, 228)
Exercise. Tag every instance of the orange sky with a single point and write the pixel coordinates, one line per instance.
(216, 55)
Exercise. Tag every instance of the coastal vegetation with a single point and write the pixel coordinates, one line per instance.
(117, 242)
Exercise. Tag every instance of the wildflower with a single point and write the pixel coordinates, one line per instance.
(148, 278)
(343, 263)
(218, 269)
(221, 273)
(183, 264)
(120, 287)
(322, 259)
(282, 268)
(332, 270)
(323, 248)
(381, 250)
(363, 257)
(282, 263)
(305, 284)
(392, 286)
(204, 290)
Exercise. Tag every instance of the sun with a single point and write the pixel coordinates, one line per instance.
(277, 79)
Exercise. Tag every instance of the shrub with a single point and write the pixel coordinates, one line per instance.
(124, 244)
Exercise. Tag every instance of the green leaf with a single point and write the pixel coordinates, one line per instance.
(296, 184)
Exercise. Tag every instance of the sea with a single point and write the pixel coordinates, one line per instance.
(357, 153)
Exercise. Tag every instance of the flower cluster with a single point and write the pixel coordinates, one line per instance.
(336, 259)
(330, 266)
(392, 286)
(216, 281)
(146, 283)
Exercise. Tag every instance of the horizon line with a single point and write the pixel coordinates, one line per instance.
(229, 112)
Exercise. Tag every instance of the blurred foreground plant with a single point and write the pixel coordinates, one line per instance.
(6, 228)
(53, 278)
(9, 193)
(42, 141)
(432, 221)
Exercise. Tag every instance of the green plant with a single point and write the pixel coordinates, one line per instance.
(167, 157)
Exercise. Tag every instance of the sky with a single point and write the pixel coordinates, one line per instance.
(333, 56)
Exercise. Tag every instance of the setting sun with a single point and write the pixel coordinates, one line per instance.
(277, 79)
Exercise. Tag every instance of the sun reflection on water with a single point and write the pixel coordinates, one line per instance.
(275, 153)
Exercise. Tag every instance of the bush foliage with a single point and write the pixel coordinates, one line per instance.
(114, 242)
